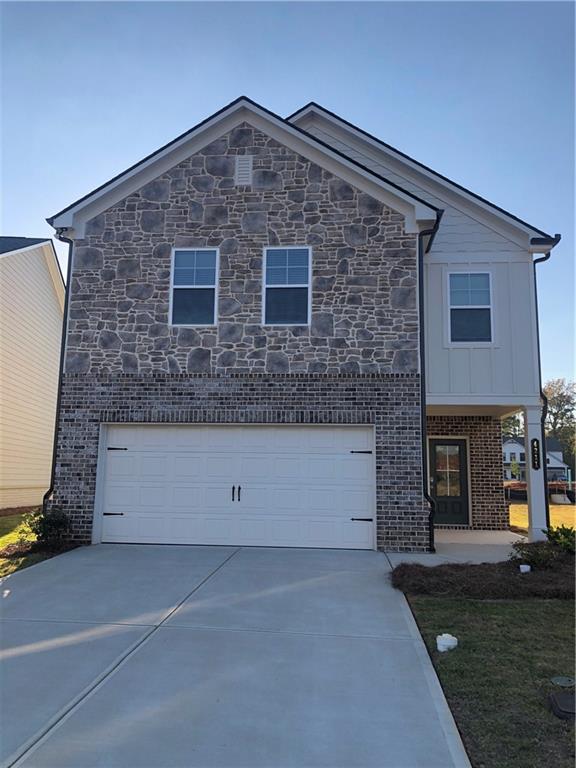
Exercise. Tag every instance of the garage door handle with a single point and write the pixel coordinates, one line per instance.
(239, 490)
(362, 519)
(233, 491)
(113, 514)
(360, 451)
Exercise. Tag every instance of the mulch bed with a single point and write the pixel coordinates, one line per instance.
(488, 581)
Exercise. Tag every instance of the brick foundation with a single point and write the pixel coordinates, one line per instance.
(488, 506)
(390, 402)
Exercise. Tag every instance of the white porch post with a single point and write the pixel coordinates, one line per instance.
(535, 476)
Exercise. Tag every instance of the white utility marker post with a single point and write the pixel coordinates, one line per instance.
(535, 465)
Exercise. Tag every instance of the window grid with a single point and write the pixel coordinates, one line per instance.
(203, 267)
(460, 283)
(302, 251)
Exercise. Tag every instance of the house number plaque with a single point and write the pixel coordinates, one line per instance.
(535, 453)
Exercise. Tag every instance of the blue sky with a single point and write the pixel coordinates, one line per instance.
(482, 92)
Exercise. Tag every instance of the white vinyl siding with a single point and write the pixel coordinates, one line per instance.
(30, 332)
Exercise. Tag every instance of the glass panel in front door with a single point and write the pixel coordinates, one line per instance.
(447, 476)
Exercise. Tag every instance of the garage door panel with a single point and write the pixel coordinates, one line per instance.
(120, 464)
(188, 467)
(300, 485)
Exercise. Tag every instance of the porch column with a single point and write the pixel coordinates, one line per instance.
(536, 486)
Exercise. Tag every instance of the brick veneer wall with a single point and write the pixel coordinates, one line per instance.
(364, 313)
(390, 402)
(484, 433)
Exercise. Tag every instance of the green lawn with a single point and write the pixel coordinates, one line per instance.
(11, 533)
(498, 679)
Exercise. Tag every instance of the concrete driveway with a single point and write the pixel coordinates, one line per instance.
(123, 656)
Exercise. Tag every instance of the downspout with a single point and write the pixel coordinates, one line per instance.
(60, 235)
(550, 243)
(423, 426)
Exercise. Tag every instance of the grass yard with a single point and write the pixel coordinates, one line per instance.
(498, 679)
(560, 514)
(11, 534)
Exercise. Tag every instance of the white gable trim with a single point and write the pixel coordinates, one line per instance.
(49, 253)
(417, 213)
(442, 188)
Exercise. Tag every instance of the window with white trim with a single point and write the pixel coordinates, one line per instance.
(193, 286)
(287, 286)
(470, 307)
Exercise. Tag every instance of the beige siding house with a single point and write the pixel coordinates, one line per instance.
(31, 311)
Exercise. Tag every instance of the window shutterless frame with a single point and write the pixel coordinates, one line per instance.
(307, 285)
(489, 307)
(173, 287)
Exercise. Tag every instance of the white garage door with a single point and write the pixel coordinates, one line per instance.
(256, 486)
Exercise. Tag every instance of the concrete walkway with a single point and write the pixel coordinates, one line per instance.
(182, 657)
(463, 547)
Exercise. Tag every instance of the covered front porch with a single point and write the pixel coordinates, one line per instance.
(465, 472)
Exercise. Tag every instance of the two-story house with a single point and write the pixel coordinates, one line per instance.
(285, 332)
(514, 459)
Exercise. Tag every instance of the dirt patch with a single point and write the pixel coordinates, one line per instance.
(8, 511)
(488, 581)
(22, 548)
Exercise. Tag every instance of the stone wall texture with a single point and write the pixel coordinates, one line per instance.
(489, 510)
(364, 308)
(390, 402)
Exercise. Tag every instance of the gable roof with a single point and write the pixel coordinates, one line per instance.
(553, 445)
(8, 244)
(241, 110)
(313, 108)
(15, 246)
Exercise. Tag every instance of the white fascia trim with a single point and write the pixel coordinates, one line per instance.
(52, 262)
(443, 189)
(463, 400)
(417, 213)
(26, 248)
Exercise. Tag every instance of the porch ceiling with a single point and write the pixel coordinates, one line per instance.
(500, 411)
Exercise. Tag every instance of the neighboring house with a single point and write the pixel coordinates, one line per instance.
(513, 452)
(31, 309)
(248, 313)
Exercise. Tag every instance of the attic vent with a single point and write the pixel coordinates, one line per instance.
(243, 170)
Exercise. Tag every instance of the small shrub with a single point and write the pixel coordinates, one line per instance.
(538, 554)
(562, 536)
(50, 528)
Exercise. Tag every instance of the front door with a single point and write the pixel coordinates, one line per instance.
(449, 480)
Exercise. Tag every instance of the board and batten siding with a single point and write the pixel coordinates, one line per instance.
(505, 371)
(30, 327)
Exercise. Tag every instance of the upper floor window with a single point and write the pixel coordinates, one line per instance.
(470, 307)
(193, 287)
(287, 286)
(512, 456)
(522, 457)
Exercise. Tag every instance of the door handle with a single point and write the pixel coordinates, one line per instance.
(233, 491)
(239, 490)
(362, 519)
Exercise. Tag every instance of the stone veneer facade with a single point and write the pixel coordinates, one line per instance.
(489, 510)
(364, 267)
(357, 363)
